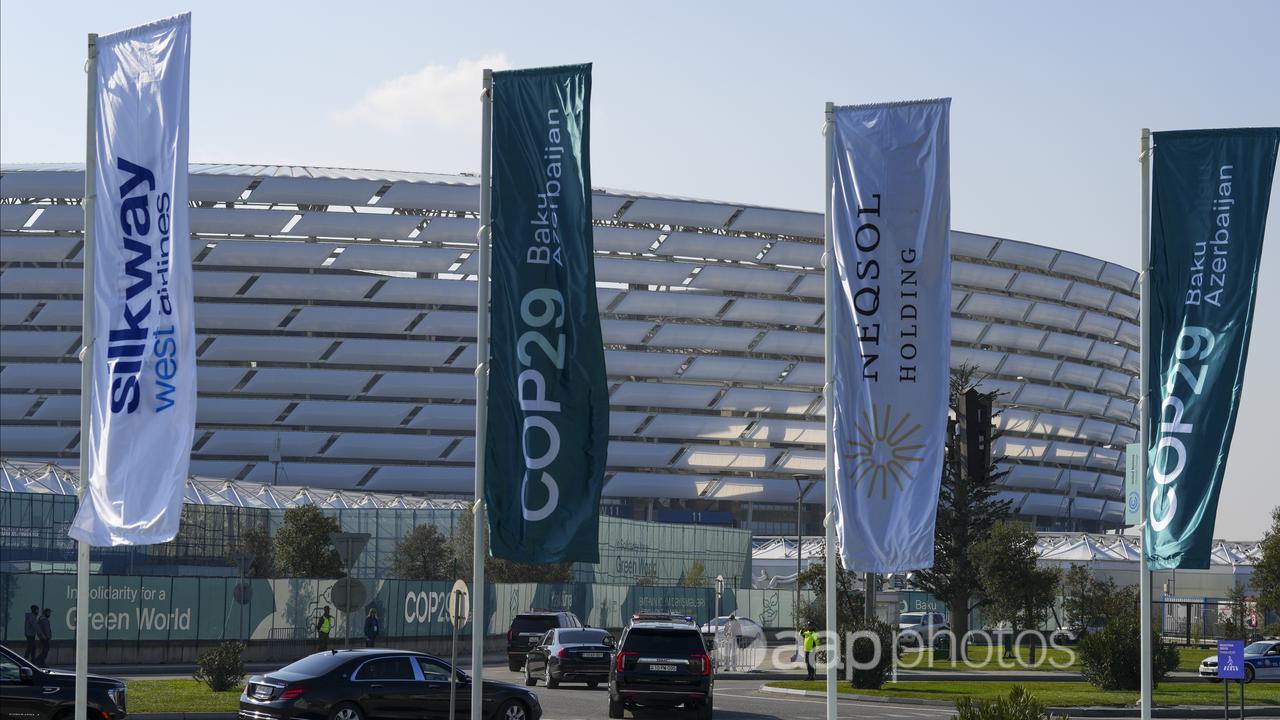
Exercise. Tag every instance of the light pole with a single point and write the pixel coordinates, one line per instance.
(795, 608)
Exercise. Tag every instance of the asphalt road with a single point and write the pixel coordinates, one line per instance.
(734, 700)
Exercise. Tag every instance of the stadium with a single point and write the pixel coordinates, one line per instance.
(336, 348)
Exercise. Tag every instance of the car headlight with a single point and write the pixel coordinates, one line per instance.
(118, 696)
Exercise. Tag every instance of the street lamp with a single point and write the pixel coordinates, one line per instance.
(795, 608)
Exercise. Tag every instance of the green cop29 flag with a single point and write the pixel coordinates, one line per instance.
(1211, 189)
(548, 428)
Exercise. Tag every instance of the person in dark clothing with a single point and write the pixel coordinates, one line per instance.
(372, 627)
(44, 632)
(29, 622)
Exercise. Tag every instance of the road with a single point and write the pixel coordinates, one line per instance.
(734, 700)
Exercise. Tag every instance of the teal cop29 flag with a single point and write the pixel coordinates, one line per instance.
(1209, 210)
(548, 428)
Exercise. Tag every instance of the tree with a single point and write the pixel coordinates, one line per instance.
(1236, 626)
(304, 544)
(423, 554)
(1266, 573)
(967, 509)
(695, 575)
(497, 570)
(849, 599)
(255, 541)
(1016, 590)
(1089, 602)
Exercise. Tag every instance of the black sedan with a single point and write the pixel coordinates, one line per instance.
(570, 655)
(376, 685)
(28, 692)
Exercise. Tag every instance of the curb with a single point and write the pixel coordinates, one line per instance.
(1176, 711)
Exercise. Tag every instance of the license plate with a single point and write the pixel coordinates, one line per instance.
(593, 655)
(662, 668)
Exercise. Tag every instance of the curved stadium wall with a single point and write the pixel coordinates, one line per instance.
(336, 343)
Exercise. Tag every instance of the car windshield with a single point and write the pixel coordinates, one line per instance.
(664, 642)
(581, 636)
(1258, 648)
(533, 623)
(911, 619)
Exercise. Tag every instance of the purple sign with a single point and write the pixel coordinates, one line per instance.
(1231, 659)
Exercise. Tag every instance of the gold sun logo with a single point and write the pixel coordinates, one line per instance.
(883, 450)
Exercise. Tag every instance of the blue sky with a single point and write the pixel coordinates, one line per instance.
(724, 101)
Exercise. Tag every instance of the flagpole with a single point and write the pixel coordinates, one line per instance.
(828, 391)
(86, 373)
(1144, 621)
(482, 398)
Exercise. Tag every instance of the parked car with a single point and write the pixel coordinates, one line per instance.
(527, 630)
(749, 631)
(376, 684)
(1261, 662)
(570, 655)
(920, 627)
(661, 665)
(1073, 634)
(28, 692)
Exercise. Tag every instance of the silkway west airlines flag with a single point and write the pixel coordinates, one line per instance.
(548, 401)
(1209, 212)
(143, 390)
(891, 224)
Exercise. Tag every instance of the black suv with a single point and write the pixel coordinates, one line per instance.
(661, 665)
(527, 630)
(31, 693)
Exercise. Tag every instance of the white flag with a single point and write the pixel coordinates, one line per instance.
(143, 391)
(891, 217)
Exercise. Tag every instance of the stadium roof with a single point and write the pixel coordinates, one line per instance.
(336, 317)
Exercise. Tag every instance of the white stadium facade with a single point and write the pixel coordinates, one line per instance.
(336, 345)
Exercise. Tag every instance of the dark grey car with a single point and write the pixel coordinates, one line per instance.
(28, 692)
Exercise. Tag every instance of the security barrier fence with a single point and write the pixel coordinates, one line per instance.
(33, 538)
(168, 615)
(1196, 621)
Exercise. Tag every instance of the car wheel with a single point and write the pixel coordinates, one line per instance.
(514, 665)
(529, 679)
(512, 710)
(1215, 680)
(615, 708)
(551, 682)
(704, 710)
(593, 684)
(1248, 673)
(345, 711)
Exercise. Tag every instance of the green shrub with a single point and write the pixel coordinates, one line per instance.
(222, 667)
(1111, 659)
(1019, 705)
(864, 652)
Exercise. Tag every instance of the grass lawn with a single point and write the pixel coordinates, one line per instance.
(148, 696)
(1068, 694)
(1066, 659)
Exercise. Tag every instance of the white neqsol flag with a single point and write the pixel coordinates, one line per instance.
(891, 216)
(143, 392)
